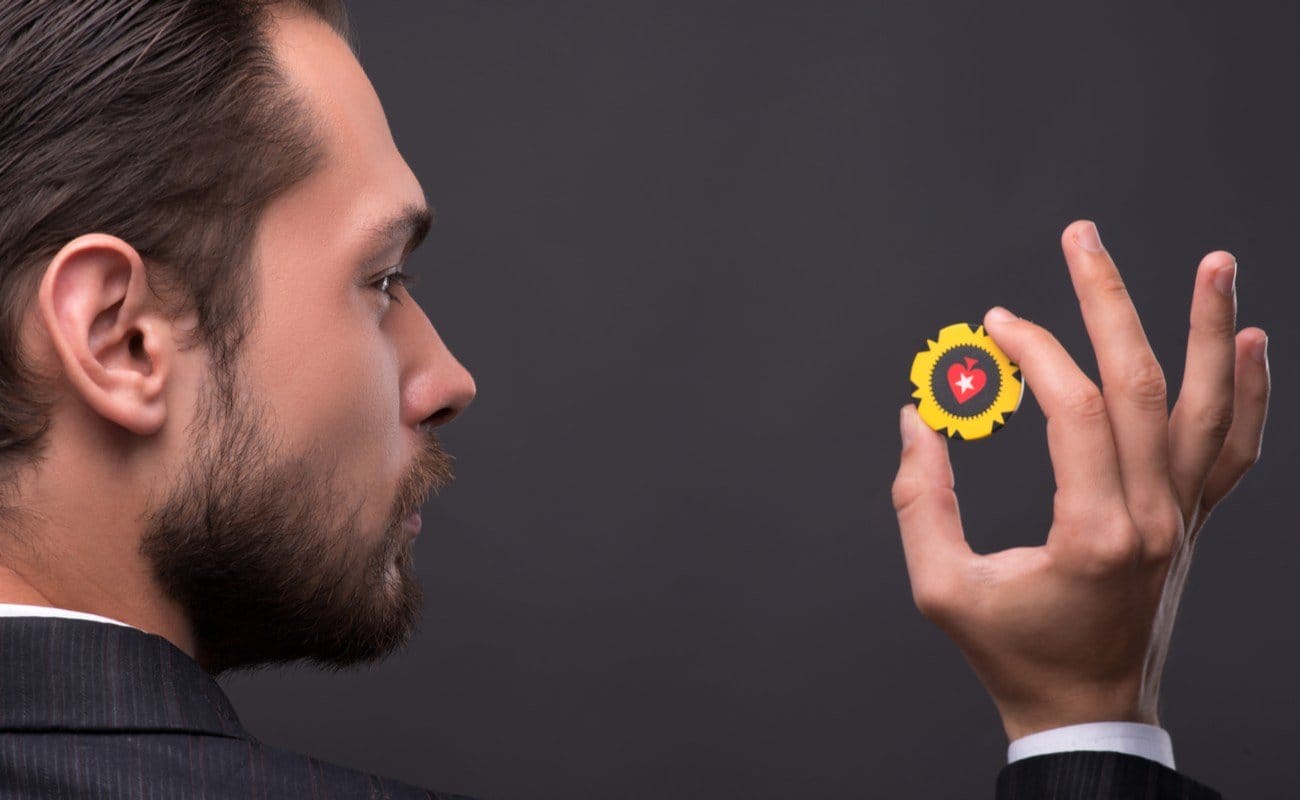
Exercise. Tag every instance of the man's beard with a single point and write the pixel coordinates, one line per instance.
(258, 548)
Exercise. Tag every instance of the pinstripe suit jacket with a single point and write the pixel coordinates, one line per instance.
(93, 710)
(1096, 776)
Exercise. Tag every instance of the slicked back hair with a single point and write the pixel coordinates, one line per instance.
(166, 123)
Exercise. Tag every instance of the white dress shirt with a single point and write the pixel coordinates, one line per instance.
(1130, 738)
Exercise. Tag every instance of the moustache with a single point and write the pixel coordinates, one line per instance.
(430, 473)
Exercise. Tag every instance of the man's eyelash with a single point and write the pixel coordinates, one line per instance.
(402, 279)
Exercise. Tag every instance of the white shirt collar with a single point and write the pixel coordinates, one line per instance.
(23, 610)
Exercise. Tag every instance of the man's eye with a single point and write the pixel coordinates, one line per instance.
(399, 277)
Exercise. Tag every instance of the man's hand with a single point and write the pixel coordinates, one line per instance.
(1076, 630)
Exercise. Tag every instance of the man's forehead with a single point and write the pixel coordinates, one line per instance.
(360, 157)
(363, 202)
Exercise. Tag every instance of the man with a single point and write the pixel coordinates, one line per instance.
(218, 402)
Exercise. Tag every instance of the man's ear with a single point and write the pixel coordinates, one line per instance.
(111, 340)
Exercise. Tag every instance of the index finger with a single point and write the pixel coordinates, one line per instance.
(1079, 436)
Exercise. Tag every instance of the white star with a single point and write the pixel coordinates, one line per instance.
(965, 383)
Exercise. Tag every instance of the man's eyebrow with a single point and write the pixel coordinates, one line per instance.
(411, 225)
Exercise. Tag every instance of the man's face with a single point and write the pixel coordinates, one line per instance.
(283, 537)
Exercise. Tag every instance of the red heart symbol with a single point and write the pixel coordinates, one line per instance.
(966, 383)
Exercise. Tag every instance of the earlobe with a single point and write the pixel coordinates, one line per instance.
(107, 336)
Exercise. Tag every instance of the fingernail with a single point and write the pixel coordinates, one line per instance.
(905, 425)
(999, 314)
(1260, 351)
(1088, 238)
(1225, 278)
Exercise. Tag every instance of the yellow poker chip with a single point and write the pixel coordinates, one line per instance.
(965, 385)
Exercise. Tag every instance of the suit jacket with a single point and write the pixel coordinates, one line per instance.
(1089, 776)
(89, 709)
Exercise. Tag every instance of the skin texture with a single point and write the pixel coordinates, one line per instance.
(1077, 630)
(272, 530)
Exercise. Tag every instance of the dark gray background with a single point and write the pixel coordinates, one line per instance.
(687, 250)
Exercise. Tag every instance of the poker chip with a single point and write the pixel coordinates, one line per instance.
(965, 385)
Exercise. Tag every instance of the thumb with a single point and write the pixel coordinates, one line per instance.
(928, 518)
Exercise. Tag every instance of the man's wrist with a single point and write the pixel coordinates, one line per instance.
(1123, 701)
(1130, 738)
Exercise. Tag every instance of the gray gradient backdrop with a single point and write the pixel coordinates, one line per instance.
(687, 248)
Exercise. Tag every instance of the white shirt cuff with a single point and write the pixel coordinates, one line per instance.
(1131, 738)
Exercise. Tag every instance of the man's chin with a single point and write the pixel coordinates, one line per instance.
(331, 628)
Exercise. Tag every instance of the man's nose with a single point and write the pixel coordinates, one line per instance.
(458, 393)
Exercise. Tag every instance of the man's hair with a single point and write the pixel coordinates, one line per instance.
(166, 123)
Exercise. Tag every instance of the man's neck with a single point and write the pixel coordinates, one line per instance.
(16, 590)
(74, 541)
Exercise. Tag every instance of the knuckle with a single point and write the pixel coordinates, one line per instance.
(1145, 384)
(1158, 552)
(905, 492)
(908, 492)
(1110, 285)
(1069, 507)
(1215, 420)
(1243, 455)
(1161, 529)
(1113, 548)
(1112, 554)
(1086, 402)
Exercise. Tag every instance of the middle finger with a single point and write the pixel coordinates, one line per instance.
(1132, 382)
